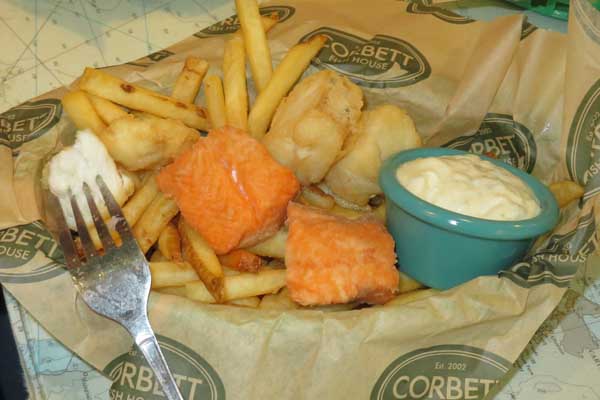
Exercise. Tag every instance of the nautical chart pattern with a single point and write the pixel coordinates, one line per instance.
(47, 43)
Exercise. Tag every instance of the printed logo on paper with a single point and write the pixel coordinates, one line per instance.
(151, 58)
(558, 258)
(379, 62)
(28, 121)
(134, 379)
(232, 24)
(441, 372)
(28, 253)
(583, 143)
(503, 138)
(425, 7)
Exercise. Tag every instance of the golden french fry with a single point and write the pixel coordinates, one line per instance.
(272, 247)
(135, 207)
(81, 111)
(189, 80)
(408, 284)
(251, 302)
(174, 290)
(286, 74)
(215, 102)
(168, 273)
(135, 97)
(169, 243)
(240, 286)
(241, 260)
(409, 297)
(234, 83)
(346, 212)
(279, 301)
(133, 176)
(153, 220)
(566, 192)
(255, 39)
(157, 256)
(313, 196)
(229, 271)
(106, 109)
(202, 257)
(267, 21)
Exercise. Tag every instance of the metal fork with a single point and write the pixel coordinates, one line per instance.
(117, 284)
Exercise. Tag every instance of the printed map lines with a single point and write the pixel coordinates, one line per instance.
(28, 45)
(95, 37)
(34, 54)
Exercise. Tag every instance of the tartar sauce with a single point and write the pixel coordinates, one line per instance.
(468, 185)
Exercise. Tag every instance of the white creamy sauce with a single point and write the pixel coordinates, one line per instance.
(469, 185)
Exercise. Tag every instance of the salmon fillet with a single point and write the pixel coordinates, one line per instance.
(229, 189)
(332, 259)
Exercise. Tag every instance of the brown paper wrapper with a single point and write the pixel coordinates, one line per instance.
(503, 88)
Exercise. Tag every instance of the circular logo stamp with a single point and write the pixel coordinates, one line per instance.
(380, 62)
(441, 372)
(134, 379)
(503, 138)
(232, 24)
(28, 121)
(28, 253)
(583, 143)
(426, 7)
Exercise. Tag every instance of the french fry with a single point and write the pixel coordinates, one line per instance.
(157, 256)
(202, 257)
(286, 74)
(409, 297)
(81, 111)
(241, 260)
(566, 192)
(408, 284)
(346, 212)
(268, 22)
(255, 39)
(168, 273)
(240, 286)
(215, 102)
(279, 301)
(135, 97)
(106, 109)
(134, 177)
(272, 247)
(169, 243)
(189, 80)
(234, 77)
(137, 204)
(153, 220)
(251, 302)
(174, 290)
(313, 196)
(234, 83)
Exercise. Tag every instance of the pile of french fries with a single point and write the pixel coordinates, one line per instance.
(181, 261)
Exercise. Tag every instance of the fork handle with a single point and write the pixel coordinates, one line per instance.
(148, 344)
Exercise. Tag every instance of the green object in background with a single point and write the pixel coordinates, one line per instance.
(551, 8)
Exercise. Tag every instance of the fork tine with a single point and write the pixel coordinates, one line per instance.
(122, 225)
(101, 228)
(88, 245)
(65, 239)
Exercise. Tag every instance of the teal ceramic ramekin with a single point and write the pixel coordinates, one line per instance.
(443, 249)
